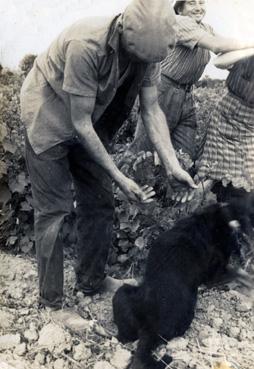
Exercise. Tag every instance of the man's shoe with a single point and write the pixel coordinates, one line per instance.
(69, 318)
(109, 284)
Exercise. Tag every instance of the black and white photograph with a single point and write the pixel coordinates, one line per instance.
(127, 184)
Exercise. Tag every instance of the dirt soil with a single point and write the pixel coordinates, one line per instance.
(221, 333)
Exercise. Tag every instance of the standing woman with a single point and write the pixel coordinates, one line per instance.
(227, 162)
(183, 67)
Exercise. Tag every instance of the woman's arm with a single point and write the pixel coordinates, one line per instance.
(224, 61)
(219, 44)
(190, 33)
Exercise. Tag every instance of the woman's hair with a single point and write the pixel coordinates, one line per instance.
(178, 6)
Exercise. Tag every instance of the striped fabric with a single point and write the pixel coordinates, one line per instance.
(229, 150)
(240, 80)
(186, 62)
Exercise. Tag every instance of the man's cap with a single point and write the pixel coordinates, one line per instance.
(147, 27)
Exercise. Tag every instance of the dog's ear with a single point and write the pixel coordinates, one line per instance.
(223, 204)
(250, 208)
(234, 225)
(231, 215)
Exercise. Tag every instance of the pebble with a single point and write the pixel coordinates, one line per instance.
(54, 337)
(4, 365)
(60, 364)
(84, 302)
(6, 319)
(121, 358)
(244, 307)
(20, 350)
(9, 341)
(87, 300)
(185, 356)
(80, 295)
(177, 344)
(31, 335)
(205, 331)
(40, 358)
(103, 365)
(16, 294)
(32, 326)
(217, 323)
(212, 339)
(210, 309)
(114, 340)
(81, 352)
(232, 342)
(24, 312)
(181, 364)
(244, 335)
(234, 332)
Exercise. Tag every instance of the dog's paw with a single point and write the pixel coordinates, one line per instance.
(163, 362)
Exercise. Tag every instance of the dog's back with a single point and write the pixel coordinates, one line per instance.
(194, 251)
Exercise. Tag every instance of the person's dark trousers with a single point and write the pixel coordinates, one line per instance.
(178, 105)
(179, 109)
(51, 174)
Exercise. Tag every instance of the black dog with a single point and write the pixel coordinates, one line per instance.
(192, 253)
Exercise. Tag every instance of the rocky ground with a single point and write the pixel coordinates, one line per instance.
(220, 337)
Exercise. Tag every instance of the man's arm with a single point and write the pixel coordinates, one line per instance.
(81, 112)
(157, 130)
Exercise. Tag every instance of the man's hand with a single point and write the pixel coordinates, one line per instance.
(156, 127)
(134, 192)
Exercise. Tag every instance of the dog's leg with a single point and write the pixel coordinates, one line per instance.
(143, 358)
(126, 304)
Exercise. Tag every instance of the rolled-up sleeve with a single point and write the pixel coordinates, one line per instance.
(189, 32)
(153, 75)
(80, 72)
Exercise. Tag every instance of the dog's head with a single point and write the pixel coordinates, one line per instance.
(236, 215)
(227, 222)
(239, 214)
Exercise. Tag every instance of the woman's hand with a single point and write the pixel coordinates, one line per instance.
(201, 189)
(184, 178)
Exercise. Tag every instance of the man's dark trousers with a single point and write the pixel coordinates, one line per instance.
(52, 174)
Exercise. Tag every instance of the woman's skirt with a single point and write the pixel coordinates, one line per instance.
(229, 149)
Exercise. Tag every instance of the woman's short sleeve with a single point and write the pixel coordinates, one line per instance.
(189, 32)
